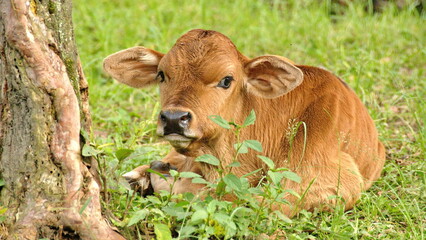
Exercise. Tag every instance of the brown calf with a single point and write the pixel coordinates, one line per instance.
(204, 74)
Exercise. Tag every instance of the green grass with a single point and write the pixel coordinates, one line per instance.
(381, 56)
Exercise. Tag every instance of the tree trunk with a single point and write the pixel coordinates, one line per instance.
(49, 192)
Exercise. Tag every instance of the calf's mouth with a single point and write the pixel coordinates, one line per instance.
(178, 141)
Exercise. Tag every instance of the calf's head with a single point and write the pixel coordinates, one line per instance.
(202, 75)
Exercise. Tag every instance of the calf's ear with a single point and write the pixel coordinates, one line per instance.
(272, 76)
(136, 67)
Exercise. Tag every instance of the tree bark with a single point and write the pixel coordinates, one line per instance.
(49, 191)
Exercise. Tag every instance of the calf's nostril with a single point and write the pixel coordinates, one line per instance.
(163, 117)
(186, 117)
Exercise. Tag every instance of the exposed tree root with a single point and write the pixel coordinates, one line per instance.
(78, 213)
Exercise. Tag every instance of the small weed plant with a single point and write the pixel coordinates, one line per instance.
(186, 216)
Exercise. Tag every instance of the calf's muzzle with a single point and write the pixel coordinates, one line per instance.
(175, 122)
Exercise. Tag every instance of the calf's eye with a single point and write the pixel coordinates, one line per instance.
(225, 82)
(160, 76)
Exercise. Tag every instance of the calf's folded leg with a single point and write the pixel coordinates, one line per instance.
(323, 186)
(146, 183)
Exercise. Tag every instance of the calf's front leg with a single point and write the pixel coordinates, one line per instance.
(146, 183)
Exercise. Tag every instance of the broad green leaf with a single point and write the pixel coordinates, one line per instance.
(220, 121)
(211, 207)
(2, 182)
(162, 232)
(291, 176)
(253, 144)
(171, 210)
(275, 177)
(189, 175)
(283, 217)
(256, 191)
(137, 216)
(189, 196)
(207, 158)
(241, 148)
(174, 173)
(199, 216)
(251, 118)
(267, 161)
(199, 180)
(182, 203)
(85, 135)
(232, 181)
(186, 232)
(175, 211)
(292, 192)
(89, 151)
(231, 228)
(221, 218)
(121, 154)
(234, 164)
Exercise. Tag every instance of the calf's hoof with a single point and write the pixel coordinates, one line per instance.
(162, 167)
(139, 180)
(146, 183)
